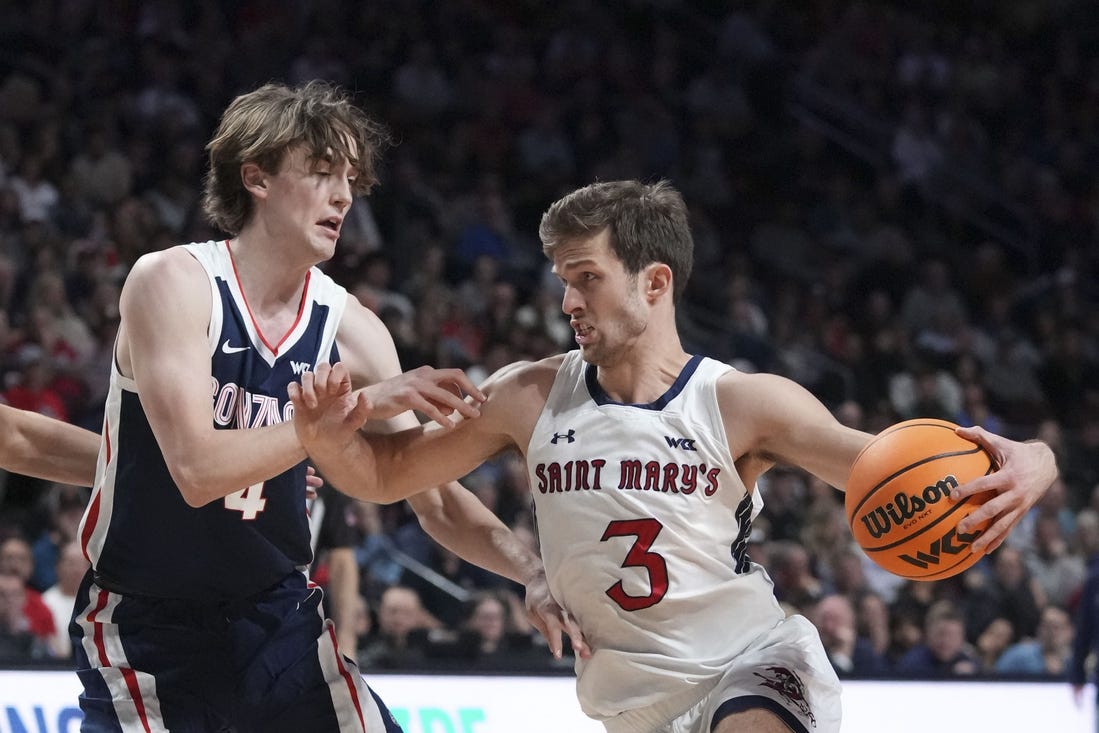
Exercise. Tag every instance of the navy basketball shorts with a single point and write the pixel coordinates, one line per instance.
(264, 663)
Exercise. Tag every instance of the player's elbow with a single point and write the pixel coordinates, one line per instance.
(193, 487)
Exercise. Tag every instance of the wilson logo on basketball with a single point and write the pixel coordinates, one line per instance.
(879, 520)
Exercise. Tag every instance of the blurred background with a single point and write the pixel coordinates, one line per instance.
(893, 204)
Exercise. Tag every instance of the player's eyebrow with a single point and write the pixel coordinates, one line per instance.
(573, 264)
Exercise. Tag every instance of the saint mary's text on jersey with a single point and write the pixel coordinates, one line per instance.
(633, 474)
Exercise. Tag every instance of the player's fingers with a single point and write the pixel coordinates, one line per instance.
(308, 391)
(977, 486)
(462, 383)
(989, 441)
(440, 405)
(579, 645)
(360, 413)
(321, 378)
(994, 535)
(339, 379)
(994, 507)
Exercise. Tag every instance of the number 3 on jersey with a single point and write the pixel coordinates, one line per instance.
(639, 556)
(249, 502)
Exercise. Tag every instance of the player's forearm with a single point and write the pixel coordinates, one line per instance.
(353, 468)
(223, 462)
(55, 451)
(457, 519)
(343, 587)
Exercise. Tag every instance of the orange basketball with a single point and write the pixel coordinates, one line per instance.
(898, 502)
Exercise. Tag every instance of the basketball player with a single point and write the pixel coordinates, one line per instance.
(197, 614)
(640, 456)
(46, 448)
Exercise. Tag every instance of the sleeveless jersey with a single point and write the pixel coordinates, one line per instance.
(643, 523)
(139, 533)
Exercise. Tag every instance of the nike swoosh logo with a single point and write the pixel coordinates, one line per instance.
(227, 349)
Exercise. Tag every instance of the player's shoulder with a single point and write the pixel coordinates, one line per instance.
(165, 269)
(521, 374)
(744, 388)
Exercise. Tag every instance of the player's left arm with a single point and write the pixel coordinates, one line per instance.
(43, 447)
(771, 419)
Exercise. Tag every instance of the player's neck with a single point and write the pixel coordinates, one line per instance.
(644, 375)
(269, 280)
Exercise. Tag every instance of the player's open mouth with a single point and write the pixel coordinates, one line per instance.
(333, 225)
(582, 333)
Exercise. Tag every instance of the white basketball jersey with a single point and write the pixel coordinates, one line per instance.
(643, 523)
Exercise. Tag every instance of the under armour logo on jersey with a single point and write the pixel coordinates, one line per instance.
(569, 437)
(681, 443)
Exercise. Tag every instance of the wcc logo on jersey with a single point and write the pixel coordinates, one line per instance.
(680, 443)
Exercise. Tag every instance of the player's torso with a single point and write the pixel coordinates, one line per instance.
(139, 532)
(644, 522)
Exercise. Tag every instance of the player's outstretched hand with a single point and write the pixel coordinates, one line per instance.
(436, 393)
(1025, 471)
(326, 408)
(552, 620)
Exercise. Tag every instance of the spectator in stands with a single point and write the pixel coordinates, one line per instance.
(1049, 654)
(61, 596)
(399, 614)
(794, 580)
(992, 641)
(945, 652)
(1051, 562)
(18, 643)
(850, 653)
(16, 560)
(65, 505)
(1008, 591)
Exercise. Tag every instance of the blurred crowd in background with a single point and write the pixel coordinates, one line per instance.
(892, 204)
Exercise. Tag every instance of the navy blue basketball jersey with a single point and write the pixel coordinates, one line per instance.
(138, 532)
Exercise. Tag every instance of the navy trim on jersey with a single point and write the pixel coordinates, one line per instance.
(751, 702)
(602, 398)
(740, 544)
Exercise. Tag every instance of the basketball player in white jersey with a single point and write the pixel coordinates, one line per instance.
(641, 461)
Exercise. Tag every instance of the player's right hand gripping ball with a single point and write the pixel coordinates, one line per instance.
(898, 503)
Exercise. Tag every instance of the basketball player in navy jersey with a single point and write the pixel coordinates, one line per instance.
(642, 460)
(46, 448)
(197, 614)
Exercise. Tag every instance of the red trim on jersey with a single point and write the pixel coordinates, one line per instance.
(135, 692)
(93, 507)
(301, 306)
(347, 677)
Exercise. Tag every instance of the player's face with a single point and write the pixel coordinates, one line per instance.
(604, 302)
(308, 200)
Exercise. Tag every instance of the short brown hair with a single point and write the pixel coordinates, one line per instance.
(647, 223)
(263, 125)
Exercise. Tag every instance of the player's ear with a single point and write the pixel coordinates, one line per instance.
(659, 279)
(254, 179)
